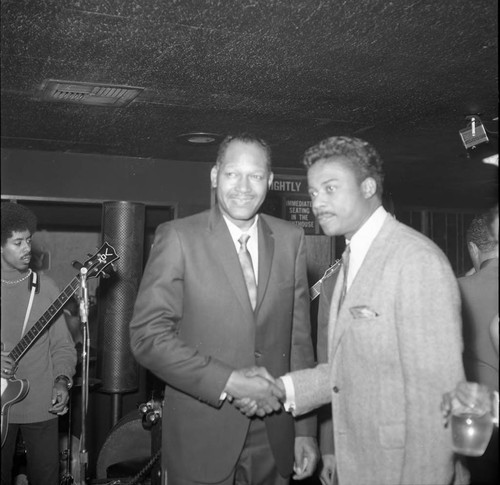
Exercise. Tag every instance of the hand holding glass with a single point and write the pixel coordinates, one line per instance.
(471, 418)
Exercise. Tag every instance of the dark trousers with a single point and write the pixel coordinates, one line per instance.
(42, 452)
(255, 466)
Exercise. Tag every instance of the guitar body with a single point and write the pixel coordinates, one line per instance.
(13, 391)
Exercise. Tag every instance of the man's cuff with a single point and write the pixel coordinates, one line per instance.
(289, 403)
(496, 407)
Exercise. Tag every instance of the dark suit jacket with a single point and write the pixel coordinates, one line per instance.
(193, 325)
(479, 305)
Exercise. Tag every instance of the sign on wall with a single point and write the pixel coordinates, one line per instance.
(288, 199)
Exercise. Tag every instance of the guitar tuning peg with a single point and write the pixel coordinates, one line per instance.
(90, 254)
(77, 265)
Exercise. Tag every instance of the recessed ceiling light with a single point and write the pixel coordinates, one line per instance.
(199, 138)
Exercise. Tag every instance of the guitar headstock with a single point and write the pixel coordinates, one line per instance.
(99, 261)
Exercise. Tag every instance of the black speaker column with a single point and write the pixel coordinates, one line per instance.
(123, 228)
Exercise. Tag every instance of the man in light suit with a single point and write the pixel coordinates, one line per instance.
(197, 326)
(394, 336)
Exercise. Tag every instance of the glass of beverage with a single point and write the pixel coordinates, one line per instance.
(471, 420)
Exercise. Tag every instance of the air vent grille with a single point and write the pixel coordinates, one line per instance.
(88, 93)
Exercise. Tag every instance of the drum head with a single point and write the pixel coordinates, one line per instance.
(128, 444)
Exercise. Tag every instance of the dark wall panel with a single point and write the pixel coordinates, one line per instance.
(33, 173)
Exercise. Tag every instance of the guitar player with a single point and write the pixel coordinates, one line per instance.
(46, 368)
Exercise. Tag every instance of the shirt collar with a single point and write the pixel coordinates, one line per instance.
(365, 235)
(236, 232)
(486, 262)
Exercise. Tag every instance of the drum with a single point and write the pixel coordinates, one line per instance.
(126, 450)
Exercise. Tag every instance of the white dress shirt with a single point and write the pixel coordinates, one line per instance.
(362, 240)
(252, 243)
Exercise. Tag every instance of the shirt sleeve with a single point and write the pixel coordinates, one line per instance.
(289, 403)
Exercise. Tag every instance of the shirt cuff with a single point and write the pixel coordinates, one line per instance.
(496, 406)
(289, 403)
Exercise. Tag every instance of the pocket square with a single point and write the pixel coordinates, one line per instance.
(362, 312)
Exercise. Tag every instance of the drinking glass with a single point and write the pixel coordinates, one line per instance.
(472, 421)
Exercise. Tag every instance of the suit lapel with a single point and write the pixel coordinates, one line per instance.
(361, 286)
(266, 253)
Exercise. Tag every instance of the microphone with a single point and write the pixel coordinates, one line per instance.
(84, 300)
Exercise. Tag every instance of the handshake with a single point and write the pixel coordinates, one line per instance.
(255, 392)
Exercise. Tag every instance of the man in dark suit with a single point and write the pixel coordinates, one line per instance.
(479, 293)
(201, 317)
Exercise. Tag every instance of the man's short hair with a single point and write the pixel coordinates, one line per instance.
(479, 233)
(16, 218)
(244, 138)
(364, 159)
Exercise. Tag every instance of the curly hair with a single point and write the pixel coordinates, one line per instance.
(363, 158)
(16, 217)
(479, 233)
(243, 137)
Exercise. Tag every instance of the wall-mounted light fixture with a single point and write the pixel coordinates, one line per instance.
(474, 134)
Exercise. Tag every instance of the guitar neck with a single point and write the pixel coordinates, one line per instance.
(43, 322)
(315, 290)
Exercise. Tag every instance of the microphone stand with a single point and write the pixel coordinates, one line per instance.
(84, 314)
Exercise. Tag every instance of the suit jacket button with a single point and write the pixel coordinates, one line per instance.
(257, 354)
(335, 389)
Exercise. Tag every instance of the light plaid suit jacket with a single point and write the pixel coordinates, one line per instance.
(394, 348)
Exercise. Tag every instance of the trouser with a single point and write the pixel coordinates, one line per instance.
(42, 452)
(255, 466)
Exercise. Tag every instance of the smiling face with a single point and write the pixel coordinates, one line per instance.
(16, 252)
(340, 202)
(242, 179)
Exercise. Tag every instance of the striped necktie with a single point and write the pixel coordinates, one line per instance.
(247, 267)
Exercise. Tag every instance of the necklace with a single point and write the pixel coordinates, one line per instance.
(8, 282)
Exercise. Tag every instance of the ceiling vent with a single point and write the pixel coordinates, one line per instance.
(88, 93)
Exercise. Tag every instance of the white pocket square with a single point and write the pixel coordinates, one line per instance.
(362, 312)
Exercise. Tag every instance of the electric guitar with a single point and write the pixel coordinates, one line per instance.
(315, 290)
(15, 390)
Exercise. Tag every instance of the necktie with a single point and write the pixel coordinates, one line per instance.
(247, 267)
(345, 264)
